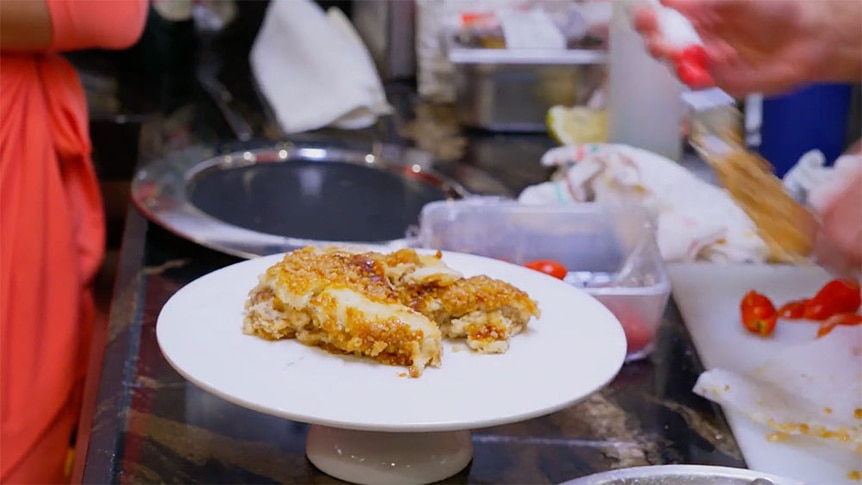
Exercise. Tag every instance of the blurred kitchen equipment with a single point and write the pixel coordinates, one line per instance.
(209, 66)
(434, 18)
(712, 111)
(487, 23)
(609, 250)
(277, 198)
(512, 89)
(388, 29)
(645, 109)
(681, 475)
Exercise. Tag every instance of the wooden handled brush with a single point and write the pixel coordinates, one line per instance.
(786, 226)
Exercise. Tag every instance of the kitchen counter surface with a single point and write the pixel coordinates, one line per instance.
(144, 423)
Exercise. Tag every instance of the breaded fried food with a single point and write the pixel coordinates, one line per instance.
(485, 311)
(407, 268)
(342, 302)
(393, 308)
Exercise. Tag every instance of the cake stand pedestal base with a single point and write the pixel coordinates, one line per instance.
(382, 458)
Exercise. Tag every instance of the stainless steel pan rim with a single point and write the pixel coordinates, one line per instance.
(679, 474)
(160, 191)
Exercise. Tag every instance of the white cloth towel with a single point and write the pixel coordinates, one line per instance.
(314, 70)
(696, 220)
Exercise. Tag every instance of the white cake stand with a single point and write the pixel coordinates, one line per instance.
(370, 423)
(373, 457)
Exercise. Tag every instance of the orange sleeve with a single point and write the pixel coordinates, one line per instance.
(92, 24)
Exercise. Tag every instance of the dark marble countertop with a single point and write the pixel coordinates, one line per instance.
(144, 423)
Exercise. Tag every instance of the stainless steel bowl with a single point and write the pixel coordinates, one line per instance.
(278, 198)
(682, 475)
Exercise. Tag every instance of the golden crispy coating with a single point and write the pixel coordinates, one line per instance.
(478, 293)
(484, 310)
(389, 307)
(341, 301)
(308, 270)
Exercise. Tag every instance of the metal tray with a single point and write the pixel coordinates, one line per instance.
(458, 53)
(269, 200)
(512, 89)
(682, 475)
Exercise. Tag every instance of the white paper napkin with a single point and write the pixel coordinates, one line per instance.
(696, 220)
(314, 70)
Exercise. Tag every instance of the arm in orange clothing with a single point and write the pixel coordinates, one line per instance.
(87, 24)
(25, 25)
(64, 25)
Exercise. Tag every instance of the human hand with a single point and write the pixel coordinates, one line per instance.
(767, 46)
(838, 201)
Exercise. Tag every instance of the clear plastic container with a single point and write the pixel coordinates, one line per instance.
(610, 251)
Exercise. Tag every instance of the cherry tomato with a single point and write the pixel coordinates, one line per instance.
(838, 319)
(792, 310)
(816, 310)
(638, 332)
(836, 296)
(549, 267)
(758, 314)
(841, 295)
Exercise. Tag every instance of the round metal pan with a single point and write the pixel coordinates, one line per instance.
(268, 200)
(682, 475)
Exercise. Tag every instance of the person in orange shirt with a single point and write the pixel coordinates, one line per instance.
(51, 223)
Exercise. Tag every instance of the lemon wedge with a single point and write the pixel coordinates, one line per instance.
(577, 125)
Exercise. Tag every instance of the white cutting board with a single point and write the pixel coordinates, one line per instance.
(708, 298)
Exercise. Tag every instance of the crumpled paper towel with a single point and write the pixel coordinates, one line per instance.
(810, 390)
(695, 219)
(314, 70)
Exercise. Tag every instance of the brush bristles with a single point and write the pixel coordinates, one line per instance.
(787, 228)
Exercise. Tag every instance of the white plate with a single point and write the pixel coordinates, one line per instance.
(575, 348)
